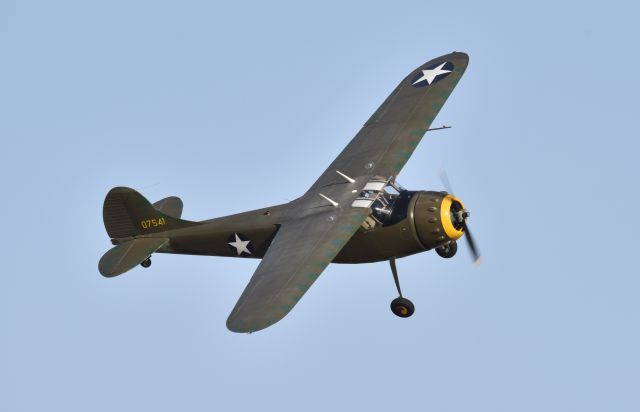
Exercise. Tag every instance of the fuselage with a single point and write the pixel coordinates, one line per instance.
(412, 223)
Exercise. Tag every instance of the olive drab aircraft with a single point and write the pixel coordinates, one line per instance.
(356, 212)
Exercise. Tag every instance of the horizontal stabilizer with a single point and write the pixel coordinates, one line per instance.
(128, 254)
(170, 206)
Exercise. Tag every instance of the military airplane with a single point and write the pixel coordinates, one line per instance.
(356, 212)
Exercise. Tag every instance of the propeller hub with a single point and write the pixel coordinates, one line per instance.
(453, 216)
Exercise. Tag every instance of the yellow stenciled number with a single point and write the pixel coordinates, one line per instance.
(149, 223)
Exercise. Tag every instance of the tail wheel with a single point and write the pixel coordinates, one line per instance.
(402, 307)
(146, 263)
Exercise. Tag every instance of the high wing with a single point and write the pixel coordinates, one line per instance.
(321, 222)
(389, 137)
(301, 250)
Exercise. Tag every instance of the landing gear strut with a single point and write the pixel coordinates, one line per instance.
(400, 306)
(146, 263)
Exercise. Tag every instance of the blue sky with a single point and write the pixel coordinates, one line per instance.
(235, 106)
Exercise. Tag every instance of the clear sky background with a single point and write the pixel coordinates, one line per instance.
(234, 106)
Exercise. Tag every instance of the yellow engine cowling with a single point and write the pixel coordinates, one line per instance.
(435, 216)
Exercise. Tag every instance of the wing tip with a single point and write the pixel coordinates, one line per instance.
(460, 54)
(239, 326)
(239, 322)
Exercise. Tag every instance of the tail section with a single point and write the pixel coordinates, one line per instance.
(127, 217)
(127, 214)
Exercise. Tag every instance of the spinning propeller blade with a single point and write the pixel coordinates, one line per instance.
(475, 253)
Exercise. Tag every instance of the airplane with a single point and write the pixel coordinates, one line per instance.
(355, 212)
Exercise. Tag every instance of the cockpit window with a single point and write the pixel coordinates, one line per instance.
(389, 209)
(391, 190)
(388, 202)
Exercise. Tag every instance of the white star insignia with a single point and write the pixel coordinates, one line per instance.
(430, 75)
(240, 245)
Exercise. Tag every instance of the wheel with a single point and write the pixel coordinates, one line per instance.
(447, 251)
(146, 263)
(402, 307)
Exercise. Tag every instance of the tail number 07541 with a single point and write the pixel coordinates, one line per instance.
(149, 223)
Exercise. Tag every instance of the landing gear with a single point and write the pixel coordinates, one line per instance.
(400, 306)
(146, 263)
(447, 251)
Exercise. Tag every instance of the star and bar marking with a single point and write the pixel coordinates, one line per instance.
(432, 74)
(241, 246)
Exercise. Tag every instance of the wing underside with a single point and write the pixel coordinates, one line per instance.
(389, 137)
(301, 250)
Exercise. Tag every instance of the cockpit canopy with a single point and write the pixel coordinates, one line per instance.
(388, 201)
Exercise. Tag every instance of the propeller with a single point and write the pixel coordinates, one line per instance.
(475, 253)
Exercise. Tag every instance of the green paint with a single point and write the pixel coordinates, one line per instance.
(304, 236)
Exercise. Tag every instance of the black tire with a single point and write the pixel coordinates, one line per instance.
(146, 263)
(447, 251)
(402, 307)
